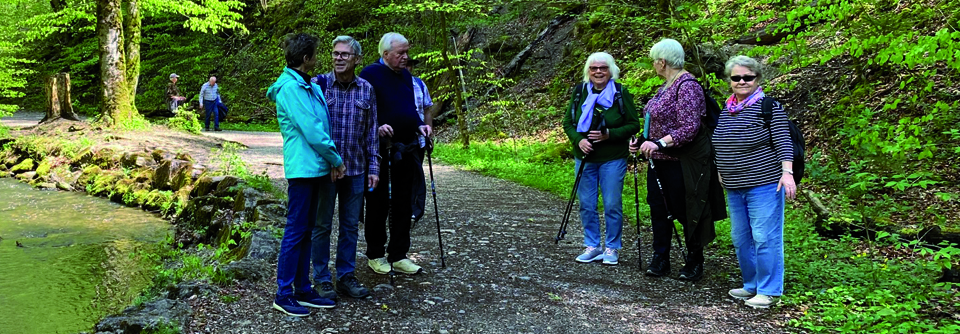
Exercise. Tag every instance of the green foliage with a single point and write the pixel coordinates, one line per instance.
(230, 163)
(185, 121)
(255, 127)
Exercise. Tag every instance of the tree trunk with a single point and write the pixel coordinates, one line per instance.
(131, 47)
(458, 94)
(115, 105)
(58, 98)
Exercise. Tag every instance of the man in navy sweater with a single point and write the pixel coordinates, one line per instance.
(399, 124)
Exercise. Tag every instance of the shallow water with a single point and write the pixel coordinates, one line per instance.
(77, 263)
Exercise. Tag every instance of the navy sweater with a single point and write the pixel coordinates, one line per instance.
(395, 104)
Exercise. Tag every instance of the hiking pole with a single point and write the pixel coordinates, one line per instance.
(389, 157)
(636, 207)
(569, 208)
(673, 227)
(436, 210)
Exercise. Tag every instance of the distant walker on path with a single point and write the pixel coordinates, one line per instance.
(209, 96)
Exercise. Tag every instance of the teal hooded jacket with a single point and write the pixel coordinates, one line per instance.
(308, 149)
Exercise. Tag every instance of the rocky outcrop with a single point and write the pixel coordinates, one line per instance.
(162, 313)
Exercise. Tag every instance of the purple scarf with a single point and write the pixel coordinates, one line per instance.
(604, 99)
(733, 107)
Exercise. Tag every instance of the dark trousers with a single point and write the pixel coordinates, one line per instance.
(398, 185)
(293, 263)
(671, 179)
(210, 107)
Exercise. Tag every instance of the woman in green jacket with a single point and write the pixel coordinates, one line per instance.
(599, 121)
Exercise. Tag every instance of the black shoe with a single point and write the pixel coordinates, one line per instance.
(206, 129)
(659, 265)
(325, 289)
(692, 271)
(350, 286)
(693, 266)
(217, 129)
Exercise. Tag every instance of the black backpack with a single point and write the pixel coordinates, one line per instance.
(796, 138)
(712, 116)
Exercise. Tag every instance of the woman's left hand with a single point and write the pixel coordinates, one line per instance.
(648, 147)
(789, 187)
(597, 136)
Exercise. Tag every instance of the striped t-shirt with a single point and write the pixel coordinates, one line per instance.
(745, 157)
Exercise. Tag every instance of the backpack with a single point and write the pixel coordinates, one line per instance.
(616, 97)
(796, 137)
(712, 115)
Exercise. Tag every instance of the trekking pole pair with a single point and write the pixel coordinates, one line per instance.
(573, 193)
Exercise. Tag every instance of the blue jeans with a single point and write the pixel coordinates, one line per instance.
(293, 263)
(756, 227)
(608, 176)
(350, 191)
(210, 107)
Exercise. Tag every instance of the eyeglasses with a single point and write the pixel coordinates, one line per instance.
(745, 78)
(342, 55)
(599, 68)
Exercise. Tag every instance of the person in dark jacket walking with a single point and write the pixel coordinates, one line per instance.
(600, 133)
(399, 125)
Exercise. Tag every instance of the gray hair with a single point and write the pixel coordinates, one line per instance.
(386, 42)
(751, 64)
(670, 51)
(349, 41)
(601, 57)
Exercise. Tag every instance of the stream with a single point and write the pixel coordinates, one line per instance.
(77, 262)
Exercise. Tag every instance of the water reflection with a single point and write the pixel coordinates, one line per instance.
(77, 264)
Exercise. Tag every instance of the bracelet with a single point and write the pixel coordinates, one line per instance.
(788, 171)
(662, 143)
(659, 146)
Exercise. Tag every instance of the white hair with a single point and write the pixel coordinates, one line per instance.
(670, 51)
(349, 41)
(601, 57)
(751, 64)
(386, 42)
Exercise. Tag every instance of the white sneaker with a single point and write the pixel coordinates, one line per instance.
(762, 301)
(406, 266)
(611, 257)
(741, 294)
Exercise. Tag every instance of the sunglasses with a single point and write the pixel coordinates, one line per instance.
(599, 68)
(745, 78)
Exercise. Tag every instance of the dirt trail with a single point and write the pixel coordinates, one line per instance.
(504, 274)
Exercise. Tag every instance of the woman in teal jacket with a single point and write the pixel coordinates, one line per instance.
(308, 154)
(599, 121)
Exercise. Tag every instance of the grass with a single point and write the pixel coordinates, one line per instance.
(832, 286)
(255, 127)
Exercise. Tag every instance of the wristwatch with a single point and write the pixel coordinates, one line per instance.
(661, 143)
(788, 171)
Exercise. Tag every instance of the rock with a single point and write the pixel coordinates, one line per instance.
(24, 166)
(189, 289)
(383, 287)
(161, 176)
(43, 169)
(263, 245)
(273, 214)
(184, 156)
(246, 202)
(249, 269)
(88, 174)
(149, 316)
(64, 186)
(227, 186)
(202, 187)
(47, 185)
(27, 176)
(181, 171)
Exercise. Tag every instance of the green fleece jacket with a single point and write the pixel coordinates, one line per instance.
(621, 126)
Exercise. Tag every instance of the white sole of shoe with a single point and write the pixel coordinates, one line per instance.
(611, 263)
(278, 308)
(306, 304)
(595, 258)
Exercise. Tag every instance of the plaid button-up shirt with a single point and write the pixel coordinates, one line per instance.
(352, 108)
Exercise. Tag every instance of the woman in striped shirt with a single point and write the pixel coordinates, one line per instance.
(756, 167)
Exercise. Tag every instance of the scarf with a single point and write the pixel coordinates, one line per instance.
(604, 99)
(733, 107)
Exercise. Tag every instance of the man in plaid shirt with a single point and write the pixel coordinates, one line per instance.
(353, 118)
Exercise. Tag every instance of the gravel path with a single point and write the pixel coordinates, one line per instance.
(504, 274)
